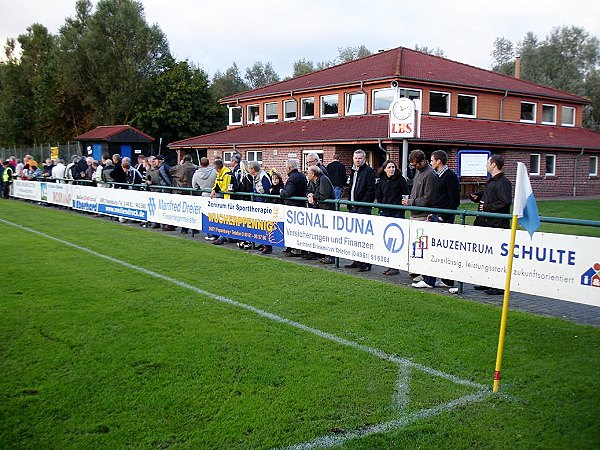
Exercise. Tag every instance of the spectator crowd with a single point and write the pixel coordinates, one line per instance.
(431, 184)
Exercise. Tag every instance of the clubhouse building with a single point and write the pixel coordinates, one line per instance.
(463, 109)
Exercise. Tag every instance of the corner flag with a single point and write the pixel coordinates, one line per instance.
(525, 207)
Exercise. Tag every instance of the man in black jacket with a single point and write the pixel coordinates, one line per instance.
(337, 175)
(362, 189)
(295, 186)
(495, 198)
(446, 195)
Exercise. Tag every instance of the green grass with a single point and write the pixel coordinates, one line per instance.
(98, 355)
(572, 209)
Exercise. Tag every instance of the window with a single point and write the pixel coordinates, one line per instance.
(534, 164)
(550, 165)
(227, 157)
(329, 105)
(235, 115)
(593, 166)
(528, 112)
(568, 116)
(382, 98)
(467, 105)
(305, 154)
(439, 103)
(355, 103)
(290, 109)
(254, 156)
(271, 112)
(413, 94)
(308, 107)
(253, 114)
(549, 114)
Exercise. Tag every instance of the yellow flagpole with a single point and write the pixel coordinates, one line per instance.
(513, 233)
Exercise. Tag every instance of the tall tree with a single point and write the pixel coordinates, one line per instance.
(179, 105)
(347, 54)
(567, 59)
(260, 75)
(26, 87)
(109, 57)
(430, 51)
(228, 83)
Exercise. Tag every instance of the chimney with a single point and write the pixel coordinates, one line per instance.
(518, 67)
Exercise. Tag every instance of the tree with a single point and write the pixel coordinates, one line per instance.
(179, 104)
(27, 84)
(302, 67)
(260, 75)
(503, 56)
(347, 54)
(430, 51)
(568, 59)
(108, 58)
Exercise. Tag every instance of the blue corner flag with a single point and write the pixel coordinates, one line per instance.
(525, 207)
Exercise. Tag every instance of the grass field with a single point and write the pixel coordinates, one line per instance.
(117, 337)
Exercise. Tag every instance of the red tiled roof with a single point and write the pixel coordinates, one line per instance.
(104, 133)
(370, 128)
(406, 64)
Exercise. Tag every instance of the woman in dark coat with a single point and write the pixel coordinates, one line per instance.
(390, 189)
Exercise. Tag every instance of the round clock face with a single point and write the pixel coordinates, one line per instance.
(401, 110)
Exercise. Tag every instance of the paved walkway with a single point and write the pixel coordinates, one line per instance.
(574, 312)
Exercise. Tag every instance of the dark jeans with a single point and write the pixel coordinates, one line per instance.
(431, 280)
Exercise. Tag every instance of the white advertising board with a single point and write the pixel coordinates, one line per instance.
(550, 265)
(29, 190)
(85, 198)
(359, 237)
(175, 209)
(56, 193)
(125, 203)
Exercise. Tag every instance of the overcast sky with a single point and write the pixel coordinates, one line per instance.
(214, 34)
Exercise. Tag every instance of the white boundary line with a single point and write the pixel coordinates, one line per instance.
(400, 397)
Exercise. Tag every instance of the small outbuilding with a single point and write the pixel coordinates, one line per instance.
(123, 139)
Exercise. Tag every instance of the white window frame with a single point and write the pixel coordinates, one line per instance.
(535, 170)
(448, 103)
(553, 121)
(553, 173)
(348, 102)
(249, 115)
(286, 102)
(474, 100)
(266, 114)
(374, 93)
(302, 101)
(562, 117)
(593, 172)
(231, 108)
(319, 153)
(252, 155)
(534, 112)
(227, 157)
(322, 105)
(411, 93)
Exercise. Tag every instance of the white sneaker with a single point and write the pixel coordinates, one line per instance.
(440, 283)
(453, 290)
(421, 285)
(417, 278)
(210, 238)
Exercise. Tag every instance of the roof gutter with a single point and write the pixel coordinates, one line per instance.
(502, 105)
(575, 172)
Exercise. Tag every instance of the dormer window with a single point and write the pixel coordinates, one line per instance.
(308, 108)
(528, 112)
(439, 103)
(290, 109)
(235, 115)
(329, 105)
(271, 112)
(253, 116)
(549, 114)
